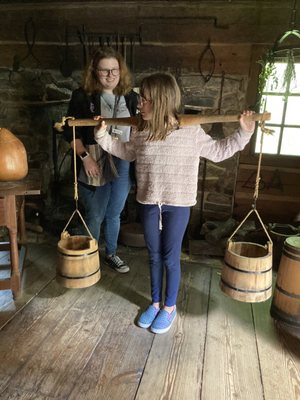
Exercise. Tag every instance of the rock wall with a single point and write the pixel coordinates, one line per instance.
(32, 100)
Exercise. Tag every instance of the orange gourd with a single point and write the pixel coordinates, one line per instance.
(13, 157)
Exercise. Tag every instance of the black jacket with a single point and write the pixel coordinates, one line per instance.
(84, 106)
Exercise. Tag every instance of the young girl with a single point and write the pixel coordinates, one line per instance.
(166, 162)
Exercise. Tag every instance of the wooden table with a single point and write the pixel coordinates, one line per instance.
(9, 193)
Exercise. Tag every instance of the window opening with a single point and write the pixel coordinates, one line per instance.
(279, 94)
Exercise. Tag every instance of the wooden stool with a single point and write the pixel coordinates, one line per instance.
(9, 217)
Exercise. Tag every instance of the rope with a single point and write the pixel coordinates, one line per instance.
(263, 131)
(257, 180)
(76, 190)
(75, 169)
(83, 221)
(256, 189)
(260, 220)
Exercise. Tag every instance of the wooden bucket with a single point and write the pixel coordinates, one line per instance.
(247, 271)
(278, 233)
(286, 300)
(78, 261)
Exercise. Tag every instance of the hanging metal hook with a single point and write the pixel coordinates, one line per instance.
(209, 54)
(291, 32)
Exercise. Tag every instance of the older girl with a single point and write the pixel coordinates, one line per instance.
(104, 181)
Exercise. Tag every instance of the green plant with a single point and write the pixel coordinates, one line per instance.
(289, 73)
(268, 72)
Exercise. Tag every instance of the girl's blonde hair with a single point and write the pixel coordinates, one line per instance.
(164, 93)
(91, 82)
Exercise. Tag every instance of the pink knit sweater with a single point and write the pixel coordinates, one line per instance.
(167, 171)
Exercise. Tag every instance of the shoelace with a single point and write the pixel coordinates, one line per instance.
(116, 260)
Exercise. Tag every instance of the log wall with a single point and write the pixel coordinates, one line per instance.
(162, 33)
(39, 36)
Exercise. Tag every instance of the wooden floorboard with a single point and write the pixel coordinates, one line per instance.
(34, 325)
(230, 354)
(116, 373)
(279, 356)
(174, 366)
(84, 344)
(66, 349)
(38, 271)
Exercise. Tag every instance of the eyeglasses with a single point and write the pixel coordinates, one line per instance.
(143, 100)
(106, 72)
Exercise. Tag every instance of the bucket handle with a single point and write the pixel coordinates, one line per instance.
(75, 185)
(83, 221)
(260, 220)
(293, 228)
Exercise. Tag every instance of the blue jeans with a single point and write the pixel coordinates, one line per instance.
(164, 247)
(105, 204)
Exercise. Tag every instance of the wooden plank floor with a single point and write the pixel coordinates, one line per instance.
(83, 344)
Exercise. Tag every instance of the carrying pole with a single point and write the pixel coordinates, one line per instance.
(183, 120)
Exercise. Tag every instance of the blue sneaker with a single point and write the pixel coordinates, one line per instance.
(163, 321)
(147, 317)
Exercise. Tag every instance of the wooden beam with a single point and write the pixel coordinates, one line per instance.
(184, 120)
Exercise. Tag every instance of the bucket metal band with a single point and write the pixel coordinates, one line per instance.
(246, 290)
(248, 272)
(289, 255)
(293, 242)
(289, 294)
(294, 249)
(284, 317)
(291, 248)
(79, 277)
(77, 255)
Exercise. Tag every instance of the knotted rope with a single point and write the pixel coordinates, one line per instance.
(264, 130)
(59, 126)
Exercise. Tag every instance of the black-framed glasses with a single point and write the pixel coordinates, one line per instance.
(107, 72)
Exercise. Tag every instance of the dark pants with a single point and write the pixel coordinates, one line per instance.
(164, 247)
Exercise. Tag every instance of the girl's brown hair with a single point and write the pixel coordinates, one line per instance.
(91, 82)
(164, 93)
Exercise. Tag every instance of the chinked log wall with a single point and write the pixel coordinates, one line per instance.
(164, 36)
(172, 33)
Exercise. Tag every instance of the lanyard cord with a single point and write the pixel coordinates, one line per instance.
(117, 100)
